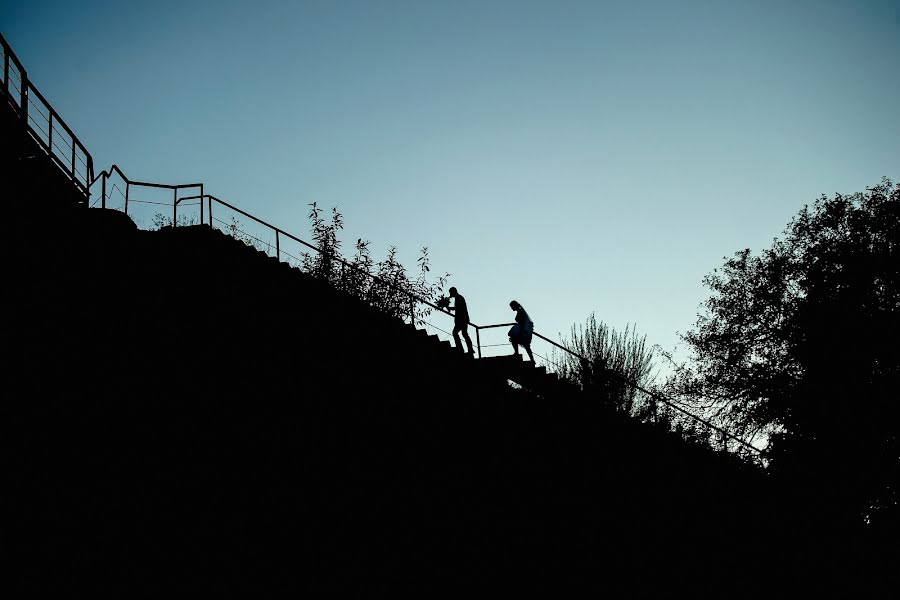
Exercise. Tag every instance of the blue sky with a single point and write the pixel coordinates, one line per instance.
(575, 156)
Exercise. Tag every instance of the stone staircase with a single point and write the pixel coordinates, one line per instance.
(510, 367)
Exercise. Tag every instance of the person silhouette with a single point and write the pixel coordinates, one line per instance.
(460, 320)
(520, 333)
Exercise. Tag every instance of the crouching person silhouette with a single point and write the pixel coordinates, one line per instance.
(460, 320)
(520, 333)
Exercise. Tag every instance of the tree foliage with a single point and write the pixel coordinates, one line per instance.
(800, 343)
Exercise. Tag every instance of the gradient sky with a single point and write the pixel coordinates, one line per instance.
(575, 156)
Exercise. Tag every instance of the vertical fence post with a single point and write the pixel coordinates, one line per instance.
(103, 186)
(478, 339)
(277, 246)
(201, 204)
(174, 207)
(211, 226)
(23, 95)
(127, 192)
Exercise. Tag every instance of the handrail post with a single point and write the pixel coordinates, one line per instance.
(23, 95)
(103, 203)
(201, 204)
(277, 246)
(127, 192)
(478, 339)
(211, 226)
(174, 207)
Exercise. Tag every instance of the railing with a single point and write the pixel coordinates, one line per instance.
(44, 125)
(206, 204)
(648, 405)
(106, 191)
(280, 236)
(41, 122)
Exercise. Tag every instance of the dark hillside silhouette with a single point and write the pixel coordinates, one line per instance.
(180, 419)
(183, 412)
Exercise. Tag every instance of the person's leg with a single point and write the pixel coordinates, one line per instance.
(465, 332)
(528, 350)
(456, 331)
(515, 347)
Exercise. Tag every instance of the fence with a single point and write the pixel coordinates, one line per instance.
(286, 247)
(44, 125)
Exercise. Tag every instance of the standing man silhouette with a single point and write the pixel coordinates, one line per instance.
(461, 320)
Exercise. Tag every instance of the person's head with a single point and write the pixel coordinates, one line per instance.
(515, 305)
(453, 292)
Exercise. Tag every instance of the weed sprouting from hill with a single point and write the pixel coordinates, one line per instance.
(614, 362)
(160, 220)
(619, 366)
(385, 285)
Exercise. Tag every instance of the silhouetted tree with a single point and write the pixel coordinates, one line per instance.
(800, 343)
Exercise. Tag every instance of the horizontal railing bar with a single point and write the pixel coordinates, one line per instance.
(162, 185)
(492, 326)
(637, 387)
(336, 258)
(130, 200)
(63, 166)
(37, 108)
(180, 200)
(279, 231)
(36, 127)
(261, 222)
(655, 396)
(17, 78)
(56, 116)
(9, 52)
(551, 342)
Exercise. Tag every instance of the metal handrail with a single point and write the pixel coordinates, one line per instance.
(280, 232)
(414, 298)
(104, 176)
(27, 90)
(633, 384)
